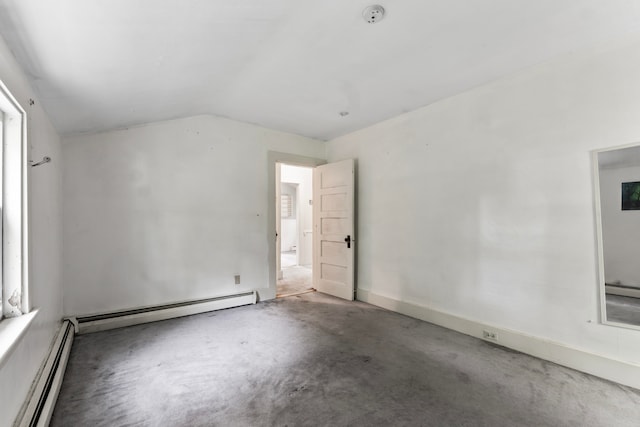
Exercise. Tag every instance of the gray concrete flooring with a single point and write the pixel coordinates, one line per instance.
(314, 360)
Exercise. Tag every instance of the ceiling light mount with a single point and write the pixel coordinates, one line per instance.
(373, 14)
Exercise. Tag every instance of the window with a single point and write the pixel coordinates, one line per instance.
(13, 206)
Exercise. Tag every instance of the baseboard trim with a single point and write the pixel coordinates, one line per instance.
(591, 363)
(39, 405)
(118, 319)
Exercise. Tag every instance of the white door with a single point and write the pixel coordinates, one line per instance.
(333, 229)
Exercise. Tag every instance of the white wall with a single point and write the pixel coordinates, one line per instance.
(304, 178)
(168, 211)
(481, 205)
(18, 372)
(621, 242)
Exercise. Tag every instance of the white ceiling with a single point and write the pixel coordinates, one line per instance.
(291, 65)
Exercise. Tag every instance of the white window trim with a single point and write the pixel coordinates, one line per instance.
(15, 237)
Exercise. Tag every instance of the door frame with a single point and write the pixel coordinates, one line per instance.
(274, 157)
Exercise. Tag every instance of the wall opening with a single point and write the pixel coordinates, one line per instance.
(295, 229)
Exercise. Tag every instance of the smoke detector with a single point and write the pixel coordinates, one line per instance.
(373, 14)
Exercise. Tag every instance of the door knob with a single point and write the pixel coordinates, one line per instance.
(348, 240)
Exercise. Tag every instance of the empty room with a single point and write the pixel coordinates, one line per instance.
(336, 213)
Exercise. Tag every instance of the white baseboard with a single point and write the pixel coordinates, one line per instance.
(594, 364)
(39, 405)
(119, 319)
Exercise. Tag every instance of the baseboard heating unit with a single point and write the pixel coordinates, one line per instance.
(119, 319)
(39, 406)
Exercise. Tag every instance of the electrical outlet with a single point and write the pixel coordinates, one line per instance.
(488, 335)
(237, 279)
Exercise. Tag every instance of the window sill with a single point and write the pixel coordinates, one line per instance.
(11, 331)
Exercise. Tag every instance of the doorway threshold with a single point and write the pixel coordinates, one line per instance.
(293, 294)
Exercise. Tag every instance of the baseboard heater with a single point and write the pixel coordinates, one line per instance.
(621, 290)
(39, 405)
(119, 319)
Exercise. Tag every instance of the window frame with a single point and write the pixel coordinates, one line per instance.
(14, 207)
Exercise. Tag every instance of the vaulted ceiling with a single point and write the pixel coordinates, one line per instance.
(292, 65)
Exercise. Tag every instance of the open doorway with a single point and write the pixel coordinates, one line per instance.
(294, 224)
(329, 230)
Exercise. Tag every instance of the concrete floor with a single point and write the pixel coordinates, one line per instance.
(314, 360)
